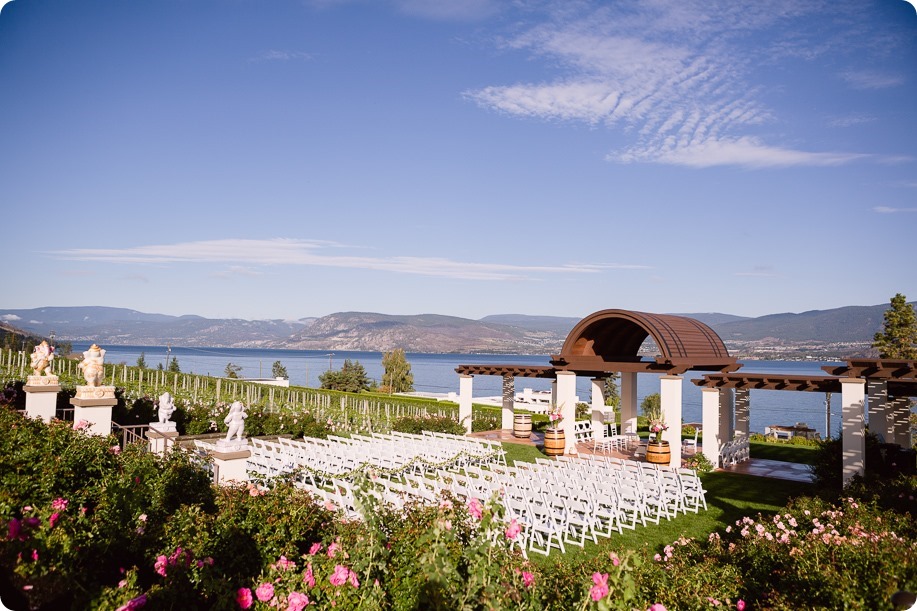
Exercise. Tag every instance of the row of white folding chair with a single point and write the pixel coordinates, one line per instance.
(734, 451)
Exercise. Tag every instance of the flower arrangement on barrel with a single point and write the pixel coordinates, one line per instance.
(556, 416)
(657, 426)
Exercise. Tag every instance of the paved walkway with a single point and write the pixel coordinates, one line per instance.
(761, 467)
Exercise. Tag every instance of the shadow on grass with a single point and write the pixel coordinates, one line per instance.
(784, 452)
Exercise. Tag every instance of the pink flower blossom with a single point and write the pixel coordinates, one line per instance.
(316, 548)
(284, 564)
(740, 605)
(330, 506)
(333, 549)
(308, 577)
(160, 565)
(115, 449)
(600, 589)
(352, 578)
(34, 555)
(15, 530)
(615, 560)
(265, 592)
(59, 504)
(244, 598)
(134, 603)
(79, 425)
(657, 558)
(475, 508)
(53, 519)
(657, 607)
(142, 517)
(528, 579)
(296, 601)
(513, 530)
(340, 575)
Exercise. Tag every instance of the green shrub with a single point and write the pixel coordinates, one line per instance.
(436, 424)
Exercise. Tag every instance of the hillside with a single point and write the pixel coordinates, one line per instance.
(500, 333)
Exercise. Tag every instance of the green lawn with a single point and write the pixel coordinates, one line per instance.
(784, 452)
(730, 496)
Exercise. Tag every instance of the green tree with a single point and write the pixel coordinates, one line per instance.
(652, 406)
(232, 370)
(141, 360)
(610, 391)
(898, 338)
(173, 365)
(278, 370)
(397, 376)
(351, 378)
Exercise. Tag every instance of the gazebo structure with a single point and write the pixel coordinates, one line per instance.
(608, 342)
(875, 389)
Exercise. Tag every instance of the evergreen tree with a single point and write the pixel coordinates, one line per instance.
(232, 370)
(351, 378)
(610, 391)
(898, 339)
(141, 360)
(279, 371)
(397, 376)
(173, 366)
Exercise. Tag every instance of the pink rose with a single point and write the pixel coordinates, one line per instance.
(244, 598)
(352, 578)
(528, 579)
(265, 592)
(600, 589)
(657, 607)
(740, 605)
(297, 601)
(160, 565)
(513, 530)
(475, 508)
(308, 577)
(53, 519)
(333, 550)
(316, 548)
(340, 575)
(59, 504)
(115, 450)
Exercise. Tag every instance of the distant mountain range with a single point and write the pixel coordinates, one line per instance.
(501, 333)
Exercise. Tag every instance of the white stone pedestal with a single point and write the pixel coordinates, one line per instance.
(93, 404)
(231, 461)
(161, 436)
(41, 396)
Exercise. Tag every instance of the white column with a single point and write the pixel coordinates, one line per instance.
(41, 403)
(727, 409)
(629, 401)
(566, 399)
(509, 392)
(827, 415)
(465, 387)
(598, 403)
(853, 434)
(710, 404)
(877, 401)
(743, 411)
(670, 394)
(901, 412)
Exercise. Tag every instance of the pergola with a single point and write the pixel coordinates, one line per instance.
(608, 342)
(877, 389)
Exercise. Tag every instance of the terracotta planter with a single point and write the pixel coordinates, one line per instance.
(522, 425)
(554, 442)
(657, 452)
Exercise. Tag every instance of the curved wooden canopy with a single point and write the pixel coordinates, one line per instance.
(609, 340)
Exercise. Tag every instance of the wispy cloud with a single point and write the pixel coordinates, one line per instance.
(246, 254)
(670, 76)
(10, 317)
(866, 79)
(758, 271)
(889, 210)
(851, 120)
(278, 55)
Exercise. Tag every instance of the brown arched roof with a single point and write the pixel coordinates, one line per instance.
(609, 339)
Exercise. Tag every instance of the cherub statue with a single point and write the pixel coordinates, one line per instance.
(236, 421)
(41, 359)
(92, 365)
(166, 407)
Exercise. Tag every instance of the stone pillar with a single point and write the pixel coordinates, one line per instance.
(232, 465)
(92, 408)
(41, 396)
(509, 394)
(743, 411)
(827, 415)
(900, 409)
(629, 402)
(727, 408)
(877, 401)
(853, 433)
(670, 388)
(161, 439)
(566, 399)
(710, 404)
(465, 388)
(598, 403)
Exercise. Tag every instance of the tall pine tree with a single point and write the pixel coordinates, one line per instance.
(898, 339)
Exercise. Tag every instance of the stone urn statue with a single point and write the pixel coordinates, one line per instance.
(92, 366)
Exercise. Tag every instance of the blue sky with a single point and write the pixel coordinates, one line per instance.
(233, 158)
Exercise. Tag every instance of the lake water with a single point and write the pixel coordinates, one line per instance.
(435, 373)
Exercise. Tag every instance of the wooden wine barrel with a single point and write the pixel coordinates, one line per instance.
(554, 442)
(657, 452)
(522, 425)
